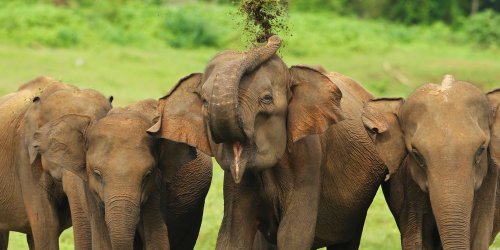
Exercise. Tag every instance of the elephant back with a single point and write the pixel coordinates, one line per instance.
(353, 95)
(14, 105)
(145, 108)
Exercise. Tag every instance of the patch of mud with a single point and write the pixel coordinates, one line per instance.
(264, 18)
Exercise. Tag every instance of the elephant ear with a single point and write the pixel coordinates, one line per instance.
(62, 142)
(380, 118)
(43, 87)
(314, 103)
(181, 118)
(494, 148)
(31, 125)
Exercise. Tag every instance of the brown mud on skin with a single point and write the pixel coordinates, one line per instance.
(264, 18)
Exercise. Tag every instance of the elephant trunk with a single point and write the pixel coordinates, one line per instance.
(224, 117)
(122, 216)
(452, 206)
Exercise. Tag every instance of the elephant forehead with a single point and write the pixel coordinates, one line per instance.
(446, 101)
(103, 146)
(257, 81)
(436, 131)
(443, 121)
(457, 91)
(121, 126)
(120, 129)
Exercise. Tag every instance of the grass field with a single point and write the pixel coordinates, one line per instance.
(386, 67)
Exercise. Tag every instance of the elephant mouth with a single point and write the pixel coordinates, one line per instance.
(237, 157)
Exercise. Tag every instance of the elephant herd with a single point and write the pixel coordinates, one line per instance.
(303, 150)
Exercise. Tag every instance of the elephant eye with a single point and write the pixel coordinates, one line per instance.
(479, 153)
(97, 174)
(418, 157)
(147, 175)
(205, 103)
(267, 99)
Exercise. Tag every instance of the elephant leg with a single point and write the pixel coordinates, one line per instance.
(4, 240)
(353, 244)
(411, 231)
(30, 241)
(416, 214)
(44, 226)
(189, 238)
(74, 188)
(138, 242)
(260, 243)
(43, 217)
(430, 234)
(484, 211)
(152, 227)
(99, 231)
(98, 227)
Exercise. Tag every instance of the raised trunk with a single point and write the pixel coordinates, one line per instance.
(452, 206)
(122, 216)
(224, 118)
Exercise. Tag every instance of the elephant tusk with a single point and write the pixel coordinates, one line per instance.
(387, 177)
(237, 150)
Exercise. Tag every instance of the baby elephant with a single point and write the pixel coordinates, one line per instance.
(134, 181)
(441, 146)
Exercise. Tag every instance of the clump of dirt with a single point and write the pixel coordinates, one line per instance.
(264, 18)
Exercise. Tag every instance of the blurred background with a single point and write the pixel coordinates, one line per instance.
(138, 49)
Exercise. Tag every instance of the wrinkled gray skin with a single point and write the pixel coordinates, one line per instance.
(442, 146)
(129, 174)
(32, 201)
(261, 120)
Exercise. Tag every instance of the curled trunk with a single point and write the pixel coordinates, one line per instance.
(122, 216)
(224, 118)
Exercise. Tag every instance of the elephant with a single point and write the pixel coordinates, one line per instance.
(300, 169)
(441, 146)
(136, 184)
(35, 198)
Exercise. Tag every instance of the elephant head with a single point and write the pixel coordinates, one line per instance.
(248, 107)
(56, 101)
(120, 163)
(443, 131)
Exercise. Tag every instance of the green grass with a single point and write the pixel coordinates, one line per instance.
(388, 59)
